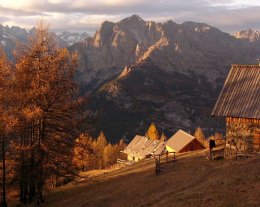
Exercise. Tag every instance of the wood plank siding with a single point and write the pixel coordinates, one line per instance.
(192, 146)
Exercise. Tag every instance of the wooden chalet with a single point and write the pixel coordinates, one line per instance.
(142, 147)
(239, 103)
(183, 142)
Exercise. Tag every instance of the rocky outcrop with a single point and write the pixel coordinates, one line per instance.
(114, 46)
(9, 37)
(175, 47)
(248, 35)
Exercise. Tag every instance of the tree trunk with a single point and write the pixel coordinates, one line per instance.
(4, 204)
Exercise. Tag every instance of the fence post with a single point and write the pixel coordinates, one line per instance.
(157, 166)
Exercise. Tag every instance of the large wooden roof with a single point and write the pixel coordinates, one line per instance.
(179, 140)
(240, 95)
(142, 146)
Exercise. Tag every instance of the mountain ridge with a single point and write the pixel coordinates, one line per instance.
(9, 36)
(172, 75)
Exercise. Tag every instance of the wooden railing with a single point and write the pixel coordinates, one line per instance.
(120, 161)
(157, 159)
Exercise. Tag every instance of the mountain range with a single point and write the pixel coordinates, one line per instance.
(135, 72)
(9, 36)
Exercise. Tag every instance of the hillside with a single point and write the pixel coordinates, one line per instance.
(190, 181)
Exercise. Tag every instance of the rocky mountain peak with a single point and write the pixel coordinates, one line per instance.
(131, 40)
(133, 19)
(103, 34)
(248, 35)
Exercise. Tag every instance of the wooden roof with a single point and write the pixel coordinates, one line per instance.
(240, 95)
(179, 140)
(142, 146)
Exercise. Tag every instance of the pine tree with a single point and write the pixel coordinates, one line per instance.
(152, 132)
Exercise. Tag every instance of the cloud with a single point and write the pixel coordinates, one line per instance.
(17, 12)
(87, 15)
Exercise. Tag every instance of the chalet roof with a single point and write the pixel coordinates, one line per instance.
(179, 140)
(142, 146)
(240, 95)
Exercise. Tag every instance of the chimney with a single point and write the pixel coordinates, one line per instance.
(258, 59)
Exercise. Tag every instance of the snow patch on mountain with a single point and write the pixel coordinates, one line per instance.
(72, 38)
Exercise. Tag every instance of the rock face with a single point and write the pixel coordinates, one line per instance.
(9, 36)
(129, 41)
(248, 35)
(167, 73)
(114, 46)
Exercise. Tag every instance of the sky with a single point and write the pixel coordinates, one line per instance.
(87, 15)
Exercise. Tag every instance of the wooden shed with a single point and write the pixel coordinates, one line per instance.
(239, 103)
(183, 142)
(142, 147)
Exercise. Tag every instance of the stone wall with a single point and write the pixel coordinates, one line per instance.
(239, 136)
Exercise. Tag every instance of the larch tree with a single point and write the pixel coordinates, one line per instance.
(7, 121)
(99, 147)
(108, 155)
(163, 137)
(83, 152)
(219, 140)
(152, 132)
(120, 147)
(47, 108)
(199, 135)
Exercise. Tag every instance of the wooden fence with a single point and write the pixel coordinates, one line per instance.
(120, 161)
(158, 160)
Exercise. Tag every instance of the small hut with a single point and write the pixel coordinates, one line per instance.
(183, 142)
(239, 103)
(142, 147)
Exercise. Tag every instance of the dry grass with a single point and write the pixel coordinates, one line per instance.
(190, 181)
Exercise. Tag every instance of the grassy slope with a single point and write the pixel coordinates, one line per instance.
(190, 181)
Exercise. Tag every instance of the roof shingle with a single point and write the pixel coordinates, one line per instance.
(142, 146)
(240, 95)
